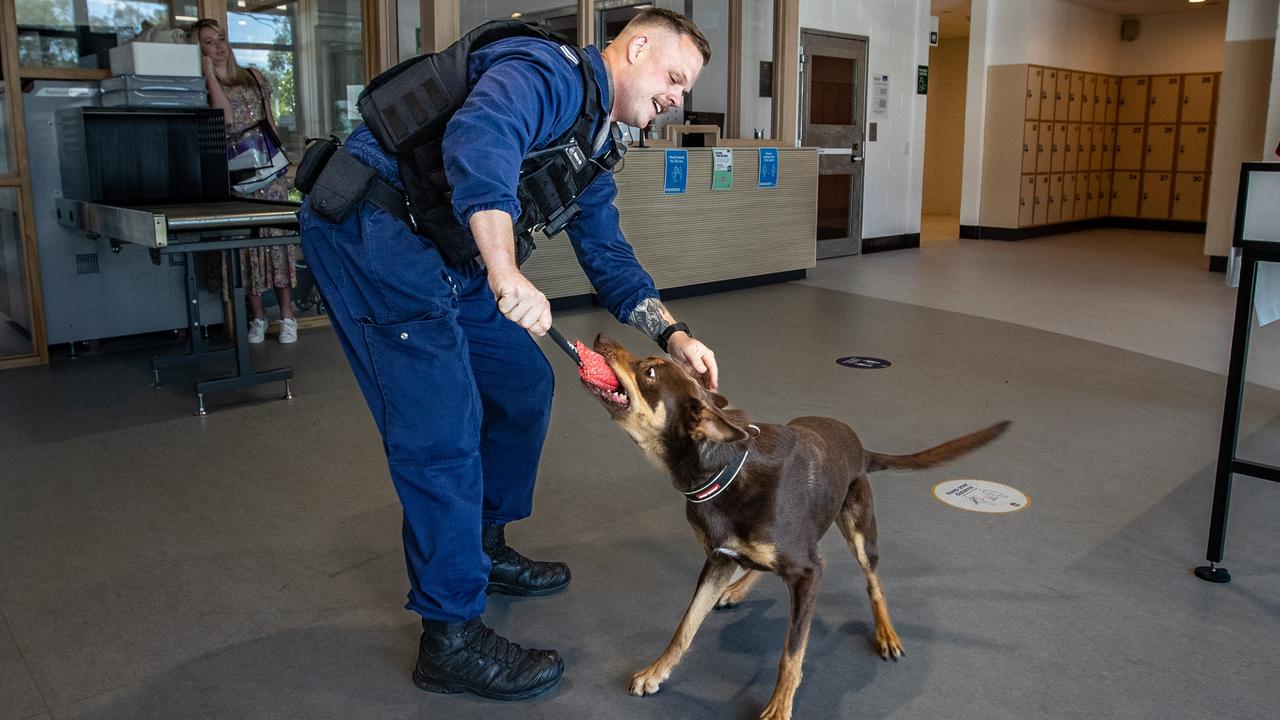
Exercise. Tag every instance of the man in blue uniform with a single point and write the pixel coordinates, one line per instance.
(442, 351)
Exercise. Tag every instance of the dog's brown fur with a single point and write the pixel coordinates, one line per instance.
(797, 480)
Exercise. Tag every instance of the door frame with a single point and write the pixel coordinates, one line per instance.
(860, 121)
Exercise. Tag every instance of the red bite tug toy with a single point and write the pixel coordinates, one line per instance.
(594, 370)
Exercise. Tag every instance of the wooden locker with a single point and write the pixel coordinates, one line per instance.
(1048, 86)
(1071, 150)
(1193, 148)
(1160, 147)
(1042, 196)
(1133, 99)
(1197, 98)
(1030, 140)
(1054, 212)
(1090, 89)
(1027, 202)
(1166, 92)
(1044, 155)
(1130, 145)
(1095, 187)
(1104, 194)
(1034, 72)
(1058, 149)
(1109, 134)
(1112, 100)
(1075, 101)
(1088, 149)
(1068, 197)
(1157, 187)
(1124, 194)
(1062, 98)
(1188, 196)
(1082, 197)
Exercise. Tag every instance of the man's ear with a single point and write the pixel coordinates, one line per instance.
(711, 425)
(639, 45)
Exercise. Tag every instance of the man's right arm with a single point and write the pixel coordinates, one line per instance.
(518, 300)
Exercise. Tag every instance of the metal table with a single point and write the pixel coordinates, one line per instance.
(223, 227)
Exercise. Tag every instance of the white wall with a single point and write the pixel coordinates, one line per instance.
(1169, 43)
(899, 41)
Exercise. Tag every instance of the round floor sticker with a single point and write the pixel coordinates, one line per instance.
(981, 496)
(863, 363)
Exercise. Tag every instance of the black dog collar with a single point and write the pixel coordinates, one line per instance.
(719, 483)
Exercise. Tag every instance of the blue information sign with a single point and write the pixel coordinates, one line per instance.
(677, 176)
(768, 167)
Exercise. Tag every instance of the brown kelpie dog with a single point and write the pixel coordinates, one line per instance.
(759, 497)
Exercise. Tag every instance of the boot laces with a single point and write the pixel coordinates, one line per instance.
(487, 642)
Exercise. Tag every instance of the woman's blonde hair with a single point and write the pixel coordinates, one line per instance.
(238, 75)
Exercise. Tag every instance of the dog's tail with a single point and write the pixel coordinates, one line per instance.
(936, 455)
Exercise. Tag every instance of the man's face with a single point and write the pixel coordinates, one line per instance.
(661, 67)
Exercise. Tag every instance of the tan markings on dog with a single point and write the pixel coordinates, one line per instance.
(784, 692)
(739, 589)
(888, 644)
(644, 425)
(715, 577)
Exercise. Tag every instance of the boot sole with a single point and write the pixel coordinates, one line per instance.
(521, 591)
(449, 688)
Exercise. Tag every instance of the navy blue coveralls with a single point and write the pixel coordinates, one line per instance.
(461, 395)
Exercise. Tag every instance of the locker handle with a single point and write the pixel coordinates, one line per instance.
(1026, 147)
(1144, 196)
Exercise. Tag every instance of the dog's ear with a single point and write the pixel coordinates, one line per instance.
(721, 402)
(711, 425)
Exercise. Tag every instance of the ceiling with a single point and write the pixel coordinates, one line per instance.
(953, 15)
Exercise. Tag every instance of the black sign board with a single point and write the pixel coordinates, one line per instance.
(863, 363)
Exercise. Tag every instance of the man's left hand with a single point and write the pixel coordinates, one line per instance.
(696, 358)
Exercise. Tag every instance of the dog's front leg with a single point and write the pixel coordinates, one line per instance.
(715, 576)
(803, 583)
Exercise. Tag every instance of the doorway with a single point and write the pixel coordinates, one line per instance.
(945, 124)
(833, 102)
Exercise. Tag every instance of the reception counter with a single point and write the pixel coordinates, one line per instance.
(702, 236)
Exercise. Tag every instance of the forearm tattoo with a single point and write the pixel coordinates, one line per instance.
(650, 318)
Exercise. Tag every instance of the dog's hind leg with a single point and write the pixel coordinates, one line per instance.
(857, 523)
(738, 590)
(715, 576)
(803, 583)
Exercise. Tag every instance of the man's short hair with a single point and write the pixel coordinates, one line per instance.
(677, 23)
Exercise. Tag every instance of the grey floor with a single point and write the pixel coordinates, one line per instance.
(247, 564)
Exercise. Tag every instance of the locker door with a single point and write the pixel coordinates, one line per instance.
(1088, 149)
(1112, 100)
(1129, 147)
(1034, 73)
(1124, 194)
(1071, 150)
(1109, 134)
(1062, 98)
(1068, 197)
(1104, 194)
(1156, 190)
(1095, 187)
(1042, 197)
(1166, 91)
(1090, 89)
(1044, 155)
(1048, 86)
(1082, 196)
(1133, 99)
(1188, 196)
(1030, 139)
(1075, 101)
(1059, 147)
(1197, 98)
(1193, 148)
(1054, 213)
(1027, 201)
(1160, 145)
(1095, 147)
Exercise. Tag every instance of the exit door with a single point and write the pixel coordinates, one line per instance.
(833, 87)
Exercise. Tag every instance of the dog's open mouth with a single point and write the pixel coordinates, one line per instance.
(613, 398)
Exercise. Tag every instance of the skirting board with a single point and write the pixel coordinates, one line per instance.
(979, 232)
(890, 242)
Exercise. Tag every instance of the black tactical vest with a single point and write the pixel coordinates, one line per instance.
(408, 107)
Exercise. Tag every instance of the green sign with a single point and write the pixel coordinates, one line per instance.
(922, 80)
(722, 169)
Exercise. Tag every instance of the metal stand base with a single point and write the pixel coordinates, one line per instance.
(1212, 573)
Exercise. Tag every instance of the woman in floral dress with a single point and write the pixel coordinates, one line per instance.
(239, 92)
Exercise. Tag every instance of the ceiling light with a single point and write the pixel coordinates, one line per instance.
(516, 14)
(282, 7)
(240, 3)
(1195, 1)
(241, 22)
(184, 18)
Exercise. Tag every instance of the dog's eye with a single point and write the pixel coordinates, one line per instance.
(651, 372)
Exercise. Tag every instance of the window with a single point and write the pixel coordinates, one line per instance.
(557, 16)
(79, 33)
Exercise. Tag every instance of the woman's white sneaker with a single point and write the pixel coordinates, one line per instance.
(257, 330)
(288, 331)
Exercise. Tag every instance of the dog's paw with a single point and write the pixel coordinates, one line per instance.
(888, 644)
(728, 600)
(776, 710)
(648, 680)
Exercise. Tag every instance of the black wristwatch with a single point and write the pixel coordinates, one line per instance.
(670, 330)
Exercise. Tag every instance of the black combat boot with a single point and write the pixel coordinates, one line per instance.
(515, 574)
(470, 657)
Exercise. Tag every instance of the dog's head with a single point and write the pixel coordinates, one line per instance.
(664, 410)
